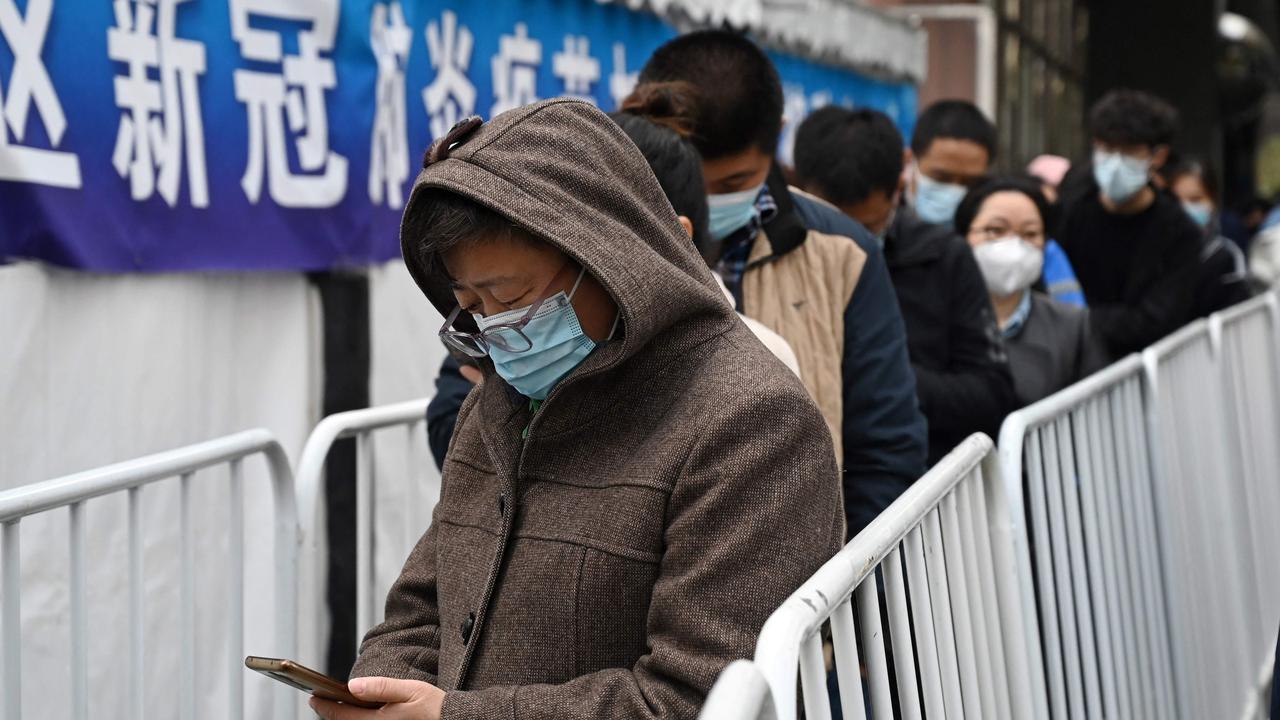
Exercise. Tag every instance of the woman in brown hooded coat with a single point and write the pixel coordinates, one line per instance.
(625, 500)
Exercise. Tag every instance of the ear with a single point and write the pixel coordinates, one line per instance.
(687, 224)
(1159, 156)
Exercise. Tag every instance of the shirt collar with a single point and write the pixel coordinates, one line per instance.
(1013, 326)
(766, 210)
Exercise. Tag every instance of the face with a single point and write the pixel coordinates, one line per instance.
(1007, 213)
(740, 171)
(1156, 156)
(875, 212)
(492, 276)
(954, 161)
(1190, 189)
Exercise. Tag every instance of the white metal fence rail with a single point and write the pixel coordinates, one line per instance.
(943, 555)
(1246, 341)
(74, 491)
(406, 417)
(1217, 500)
(1075, 466)
(740, 693)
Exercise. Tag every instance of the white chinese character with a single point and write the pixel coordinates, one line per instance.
(29, 82)
(515, 70)
(576, 68)
(389, 149)
(157, 112)
(297, 93)
(451, 96)
(795, 106)
(621, 82)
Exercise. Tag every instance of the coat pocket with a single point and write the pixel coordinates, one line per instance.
(612, 608)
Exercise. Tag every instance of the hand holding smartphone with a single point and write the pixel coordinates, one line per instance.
(307, 680)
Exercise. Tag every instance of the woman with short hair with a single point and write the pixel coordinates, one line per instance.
(1049, 343)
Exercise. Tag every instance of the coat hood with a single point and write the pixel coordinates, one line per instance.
(564, 172)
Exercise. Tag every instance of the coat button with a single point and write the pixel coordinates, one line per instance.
(467, 626)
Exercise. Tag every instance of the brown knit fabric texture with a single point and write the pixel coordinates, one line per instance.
(672, 492)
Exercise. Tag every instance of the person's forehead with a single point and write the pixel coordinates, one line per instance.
(748, 159)
(1011, 206)
(956, 152)
(497, 261)
(1135, 150)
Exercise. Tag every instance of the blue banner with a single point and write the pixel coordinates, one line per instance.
(154, 135)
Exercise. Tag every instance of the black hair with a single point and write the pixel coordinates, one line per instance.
(439, 220)
(657, 119)
(737, 91)
(848, 154)
(1132, 117)
(955, 119)
(972, 203)
(1181, 166)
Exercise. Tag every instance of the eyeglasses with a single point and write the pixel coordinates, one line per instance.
(991, 233)
(508, 337)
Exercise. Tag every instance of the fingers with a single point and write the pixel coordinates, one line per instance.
(384, 689)
(330, 710)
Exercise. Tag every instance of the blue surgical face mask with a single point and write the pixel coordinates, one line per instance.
(1120, 176)
(558, 345)
(936, 202)
(1200, 212)
(730, 211)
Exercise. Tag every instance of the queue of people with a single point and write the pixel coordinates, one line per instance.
(678, 383)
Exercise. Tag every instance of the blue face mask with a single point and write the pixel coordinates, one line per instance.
(1120, 176)
(730, 211)
(936, 202)
(1200, 212)
(558, 345)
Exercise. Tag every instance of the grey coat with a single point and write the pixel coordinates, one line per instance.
(671, 491)
(1054, 349)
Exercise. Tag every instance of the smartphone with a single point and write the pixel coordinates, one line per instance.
(305, 679)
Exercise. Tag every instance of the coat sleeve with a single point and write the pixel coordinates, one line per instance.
(407, 644)
(975, 391)
(1167, 297)
(884, 433)
(442, 411)
(736, 547)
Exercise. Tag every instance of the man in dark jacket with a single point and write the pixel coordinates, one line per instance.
(854, 159)
(788, 260)
(1136, 252)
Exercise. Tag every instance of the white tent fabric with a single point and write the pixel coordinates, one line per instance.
(406, 357)
(95, 369)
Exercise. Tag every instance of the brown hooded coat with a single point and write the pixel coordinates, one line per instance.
(672, 491)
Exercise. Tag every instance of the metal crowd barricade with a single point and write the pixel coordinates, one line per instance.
(410, 418)
(74, 491)
(943, 556)
(1246, 342)
(740, 693)
(1075, 468)
(1212, 564)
